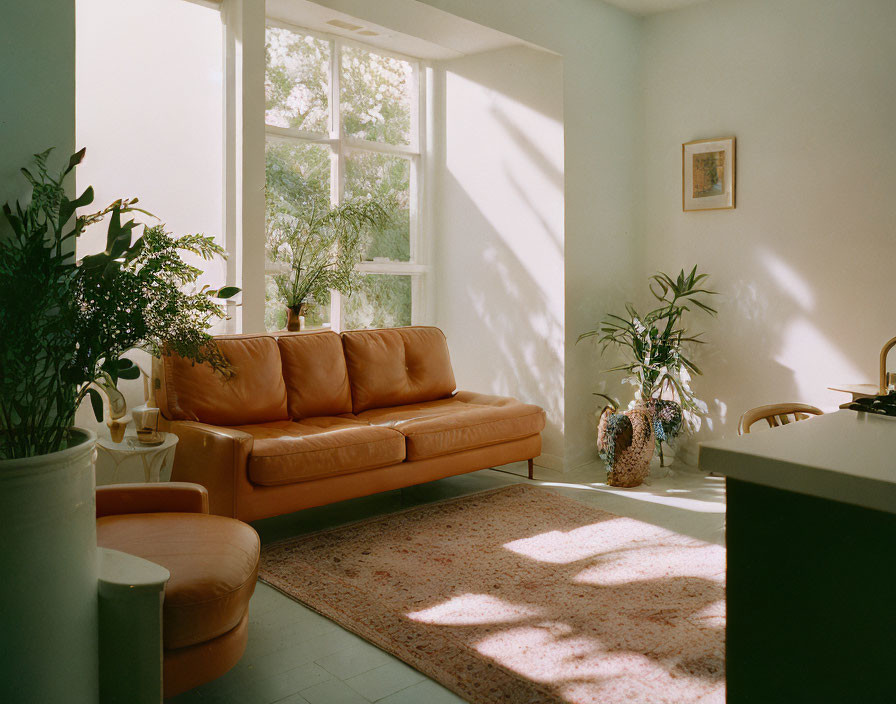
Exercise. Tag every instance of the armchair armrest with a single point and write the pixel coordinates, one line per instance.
(170, 497)
(215, 457)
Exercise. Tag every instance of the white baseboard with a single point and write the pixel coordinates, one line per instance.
(549, 461)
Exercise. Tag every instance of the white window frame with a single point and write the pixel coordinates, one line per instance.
(341, 146)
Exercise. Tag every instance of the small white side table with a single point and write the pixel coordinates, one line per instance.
(128, 461)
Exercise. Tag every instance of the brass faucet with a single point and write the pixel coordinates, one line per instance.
(884, 377)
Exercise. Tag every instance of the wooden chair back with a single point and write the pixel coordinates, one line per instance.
(777, 414)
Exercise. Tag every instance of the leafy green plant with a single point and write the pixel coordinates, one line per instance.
(319, 246)
(66, 322)
(655, 342)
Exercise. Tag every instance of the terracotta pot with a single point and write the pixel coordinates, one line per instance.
(626, 443)
(295, 317)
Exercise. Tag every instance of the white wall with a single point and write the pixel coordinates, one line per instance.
(150, 110)
(37, 85)
(805, 261)
(498, 264)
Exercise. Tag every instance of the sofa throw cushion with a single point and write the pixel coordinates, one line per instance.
(315, 375)
(397, 366)
(255, 393)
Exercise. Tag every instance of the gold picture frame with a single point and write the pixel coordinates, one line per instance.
(708, 174)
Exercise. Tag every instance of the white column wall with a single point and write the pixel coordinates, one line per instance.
(245, 157)
(150, 111)
(498, 264)
(37, 77)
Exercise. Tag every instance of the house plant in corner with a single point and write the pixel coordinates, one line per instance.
(317, 247)
(657, 366)
(65, 325)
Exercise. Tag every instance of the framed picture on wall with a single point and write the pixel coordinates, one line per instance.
(707, 174)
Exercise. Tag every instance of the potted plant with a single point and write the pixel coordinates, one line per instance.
(66, 323)
(317, 247)
(657, 367)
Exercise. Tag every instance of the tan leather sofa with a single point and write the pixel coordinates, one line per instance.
(213, 563)
(313, 418)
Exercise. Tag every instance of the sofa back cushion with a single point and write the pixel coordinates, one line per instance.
(255, 393)
(397, 366)
(315, 374)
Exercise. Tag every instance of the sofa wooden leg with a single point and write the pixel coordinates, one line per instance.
(531, 469)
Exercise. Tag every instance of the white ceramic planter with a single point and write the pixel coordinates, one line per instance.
(48, 586)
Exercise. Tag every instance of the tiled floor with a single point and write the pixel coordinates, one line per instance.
(296, 656)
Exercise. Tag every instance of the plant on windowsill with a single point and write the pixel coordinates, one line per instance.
(65, 325)
(658, 369)
(317, 247)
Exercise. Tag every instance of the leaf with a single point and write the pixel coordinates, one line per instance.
(75, 159)
(613, 401)
(122, 240)
(132, 372)
(135, 250)
(68, 207)
(94, 261)
(225, 292)
(590, 333)
(690, 365)
(708, 309)
(96, 401)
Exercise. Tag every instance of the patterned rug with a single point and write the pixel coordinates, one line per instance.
(520, 595)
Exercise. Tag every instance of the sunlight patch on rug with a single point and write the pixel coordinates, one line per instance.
(470, 609)
(563, 547)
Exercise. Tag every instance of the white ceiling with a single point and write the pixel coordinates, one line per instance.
(416, 29)
(651, 7)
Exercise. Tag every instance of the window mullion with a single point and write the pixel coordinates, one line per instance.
(337, 180)
(337, 161)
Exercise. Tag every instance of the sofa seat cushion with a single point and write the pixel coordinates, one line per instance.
(213, 563)
(286, 452)
(463, 422)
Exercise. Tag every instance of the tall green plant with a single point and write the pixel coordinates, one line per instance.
(65, 323)
(655, 343)
(320, 246)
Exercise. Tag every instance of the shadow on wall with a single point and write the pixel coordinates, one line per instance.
(504, 336)
(499, 262)
(778, 330)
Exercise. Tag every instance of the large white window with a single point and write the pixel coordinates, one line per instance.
(344, 119)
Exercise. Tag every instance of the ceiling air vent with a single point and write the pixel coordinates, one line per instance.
(344, 25)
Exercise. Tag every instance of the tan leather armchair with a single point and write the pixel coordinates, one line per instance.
(213, 563)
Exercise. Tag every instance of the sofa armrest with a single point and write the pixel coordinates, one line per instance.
(170, 497)
(213, 456)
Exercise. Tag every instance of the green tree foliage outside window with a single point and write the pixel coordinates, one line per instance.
(376, 106)
(376, 97)
(297, 81)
